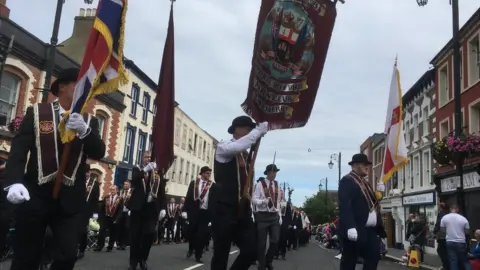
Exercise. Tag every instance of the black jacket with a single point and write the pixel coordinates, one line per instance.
(138, 198)
(72, 198)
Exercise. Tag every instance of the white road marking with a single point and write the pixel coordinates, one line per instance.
(201, 264)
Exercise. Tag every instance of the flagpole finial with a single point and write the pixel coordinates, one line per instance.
(396, 59)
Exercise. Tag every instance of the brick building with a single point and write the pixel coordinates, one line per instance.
(445, 178)
(367, 148)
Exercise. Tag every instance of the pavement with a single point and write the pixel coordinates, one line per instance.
(172, 257)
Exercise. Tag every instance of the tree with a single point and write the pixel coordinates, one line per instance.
(321, 207)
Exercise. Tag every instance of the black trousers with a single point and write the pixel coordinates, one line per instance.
(282, 243)
(198, 233)
(228, 227)
(122, 230)
(170, 225)
(32, 219)
(107, 227)
(293, 238)
(180, 232)
(367, 248)
(82, 244)
(142, 231)
(442, 253)
(267, 225)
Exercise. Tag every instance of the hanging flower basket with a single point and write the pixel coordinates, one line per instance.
(441, 154)
(456, 149)
(15, 124)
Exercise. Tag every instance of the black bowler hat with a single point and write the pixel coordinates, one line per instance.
(241, 121)
(205, 169)
(360, 159)
(68, 75)
(271, 168)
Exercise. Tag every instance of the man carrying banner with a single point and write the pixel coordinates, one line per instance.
(32, 188)
(360, 220)
(230, 176)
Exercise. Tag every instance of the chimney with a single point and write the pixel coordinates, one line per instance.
(74, 46)
(4, 10)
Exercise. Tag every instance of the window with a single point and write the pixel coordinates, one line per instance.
(180, 174)
(474, 60)
(8, 97)
(411, 174)
(474, 125)
(101, 125)
(142, 140)
(208, 153)
(184, 137)
(187, 175)
(444, 129)
(193, 174)
(134, 95)
(415, 128)
(407, 134)
(200, 148)
(443, 87)
(129, 141)
(426, 168)
(174, 169)
(204, 149)
(195, 140)
(150, 143)
(198, 170)
(146, 107)
(426, 124)
(190, 141)
(154, 109)
(178, 130)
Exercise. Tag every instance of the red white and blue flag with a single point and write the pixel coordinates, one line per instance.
(102, 69)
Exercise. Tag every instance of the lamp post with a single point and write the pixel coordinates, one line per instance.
(338, 158)
(456, 94)
(52, 49)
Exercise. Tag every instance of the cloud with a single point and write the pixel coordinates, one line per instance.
(214, 42)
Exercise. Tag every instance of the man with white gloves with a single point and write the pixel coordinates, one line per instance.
(196, 211)
(146, 204)
(32, 189)
(360, 223)
(232, 214)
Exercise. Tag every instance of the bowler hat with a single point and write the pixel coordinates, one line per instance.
(271, 168)
(205, 169)
(241, 121)
(360, 159)
(68, 75)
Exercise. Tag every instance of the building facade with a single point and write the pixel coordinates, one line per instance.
(417, 190)
(445, 178)
(367, 148)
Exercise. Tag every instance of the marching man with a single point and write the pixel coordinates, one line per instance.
(91, 206)
(268, 216)
(196, 210)
(109, 215)
(30, 184)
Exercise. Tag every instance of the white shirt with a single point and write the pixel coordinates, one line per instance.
(228, 150)
(260, 200)
(171, 210)
(204, 202)
(372, 219)
(455, 225)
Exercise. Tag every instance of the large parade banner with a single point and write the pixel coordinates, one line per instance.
(291, 46)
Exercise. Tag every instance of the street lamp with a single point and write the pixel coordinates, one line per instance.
(456, 94)
(338, 158)
(52, 49)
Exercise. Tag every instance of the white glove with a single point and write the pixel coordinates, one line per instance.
(294, 227)
(150, 167)
(381, 187)
(95, 216)
(263, 128)
(209, 224)
(184, 215)
(128, 213)
(75, 122)
(162, 214)
(280, 221)
(253, 217)
(18, 193)
(352, 234)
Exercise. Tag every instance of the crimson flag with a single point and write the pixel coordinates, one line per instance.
(163, 124)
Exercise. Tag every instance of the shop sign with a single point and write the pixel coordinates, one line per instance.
(424, 198)
(450, 183)
(470, 180)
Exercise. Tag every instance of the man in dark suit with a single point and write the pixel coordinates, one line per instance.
(109, 214)
(145, 204)
(124, 218)
(92, 196)
(32, 188)
(286, 210)
(197, 213)
(180, 232)
(360, 224)
(172, 216)
(295, 229)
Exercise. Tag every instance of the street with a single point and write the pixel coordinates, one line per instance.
(172, 257)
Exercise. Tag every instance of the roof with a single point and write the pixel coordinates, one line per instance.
(463, 31)
(424, 81)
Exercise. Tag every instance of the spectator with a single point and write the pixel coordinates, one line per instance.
(474, 254)
(456, 228)
(440, 236)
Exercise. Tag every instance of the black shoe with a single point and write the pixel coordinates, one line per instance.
(121, 248)
(283, 257)
(97, 249)
(109, 249)
(270, 267)
(80, 255)
(189, 254)
(198, 260)
(143, 265)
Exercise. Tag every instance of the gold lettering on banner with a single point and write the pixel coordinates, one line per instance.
(273, 109)
(272, 97)
(278, 86)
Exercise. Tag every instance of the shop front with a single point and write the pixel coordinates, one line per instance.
(471, 186)
(423, 203)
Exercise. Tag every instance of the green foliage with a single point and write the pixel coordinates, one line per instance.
(320, 207)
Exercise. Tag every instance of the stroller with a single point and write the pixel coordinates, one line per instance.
(92, 233)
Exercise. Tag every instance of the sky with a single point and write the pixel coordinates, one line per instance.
(214, 43)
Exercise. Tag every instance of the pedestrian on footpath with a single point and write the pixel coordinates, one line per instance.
(456, 228)
(360, 223)
(440, 236)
